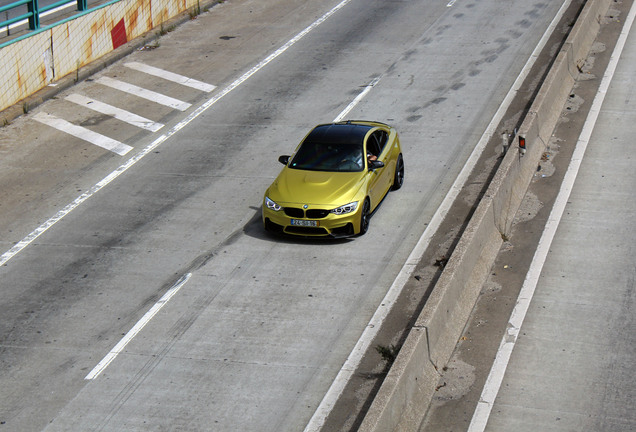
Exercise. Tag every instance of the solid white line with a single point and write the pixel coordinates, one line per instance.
(21, 245)
(170, 76)
(357, 100)
(317, 421)
(144, 93)
(137, 328)
(498, 369)
(83, 133)
(117, 113)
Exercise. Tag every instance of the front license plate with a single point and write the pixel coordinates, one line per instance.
(305, 223)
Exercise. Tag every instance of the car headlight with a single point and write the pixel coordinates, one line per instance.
(347, 208)
(272, 205)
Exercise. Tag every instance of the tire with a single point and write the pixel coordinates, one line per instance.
(398, 177)
(364, 217)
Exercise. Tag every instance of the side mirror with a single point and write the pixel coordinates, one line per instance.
(284, 159)
(375, 164)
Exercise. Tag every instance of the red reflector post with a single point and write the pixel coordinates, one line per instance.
(522, 144)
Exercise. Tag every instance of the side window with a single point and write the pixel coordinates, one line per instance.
(376, 142)
(382, 137)
(372, 144)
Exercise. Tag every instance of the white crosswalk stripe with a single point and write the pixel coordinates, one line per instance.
(122, 114)
(117, 113)
(144, 93)
(83, 133)
(170, 76)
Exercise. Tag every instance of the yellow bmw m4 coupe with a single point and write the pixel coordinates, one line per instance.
(335, 180)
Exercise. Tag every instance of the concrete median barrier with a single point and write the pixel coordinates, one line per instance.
(413, 376)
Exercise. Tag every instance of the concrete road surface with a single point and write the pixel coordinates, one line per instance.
(138, 290)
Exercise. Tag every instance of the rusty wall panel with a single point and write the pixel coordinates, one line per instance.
(85, 39)
(31, 63)
(163, 10)
(138, 18)
(24, 68)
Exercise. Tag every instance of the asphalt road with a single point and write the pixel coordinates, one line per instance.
(254, 328)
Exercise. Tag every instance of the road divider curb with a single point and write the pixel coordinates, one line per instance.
(411, 381)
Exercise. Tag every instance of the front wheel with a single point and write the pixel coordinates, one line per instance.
(398, 177)
(364, 217)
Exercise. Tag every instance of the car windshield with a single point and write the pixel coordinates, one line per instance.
(328, 157)
(334, 147)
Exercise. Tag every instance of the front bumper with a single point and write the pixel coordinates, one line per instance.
(331, 225)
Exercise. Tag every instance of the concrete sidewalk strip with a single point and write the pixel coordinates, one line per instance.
(144, 93)
(118, 113)
(83, 133)
(170, 76)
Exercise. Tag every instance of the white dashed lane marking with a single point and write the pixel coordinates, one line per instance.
(144, 93)
(83, 133)
(115, 112)
(170, 76)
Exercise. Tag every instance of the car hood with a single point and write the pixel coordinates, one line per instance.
(315, 187)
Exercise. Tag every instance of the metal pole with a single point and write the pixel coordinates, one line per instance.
(34, 19)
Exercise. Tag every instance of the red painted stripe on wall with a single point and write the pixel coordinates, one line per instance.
(118, 34)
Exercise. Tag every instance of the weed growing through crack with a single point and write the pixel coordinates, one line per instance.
(165, 30)
(195, 11)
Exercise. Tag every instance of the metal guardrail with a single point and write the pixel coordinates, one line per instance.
(34, 12)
